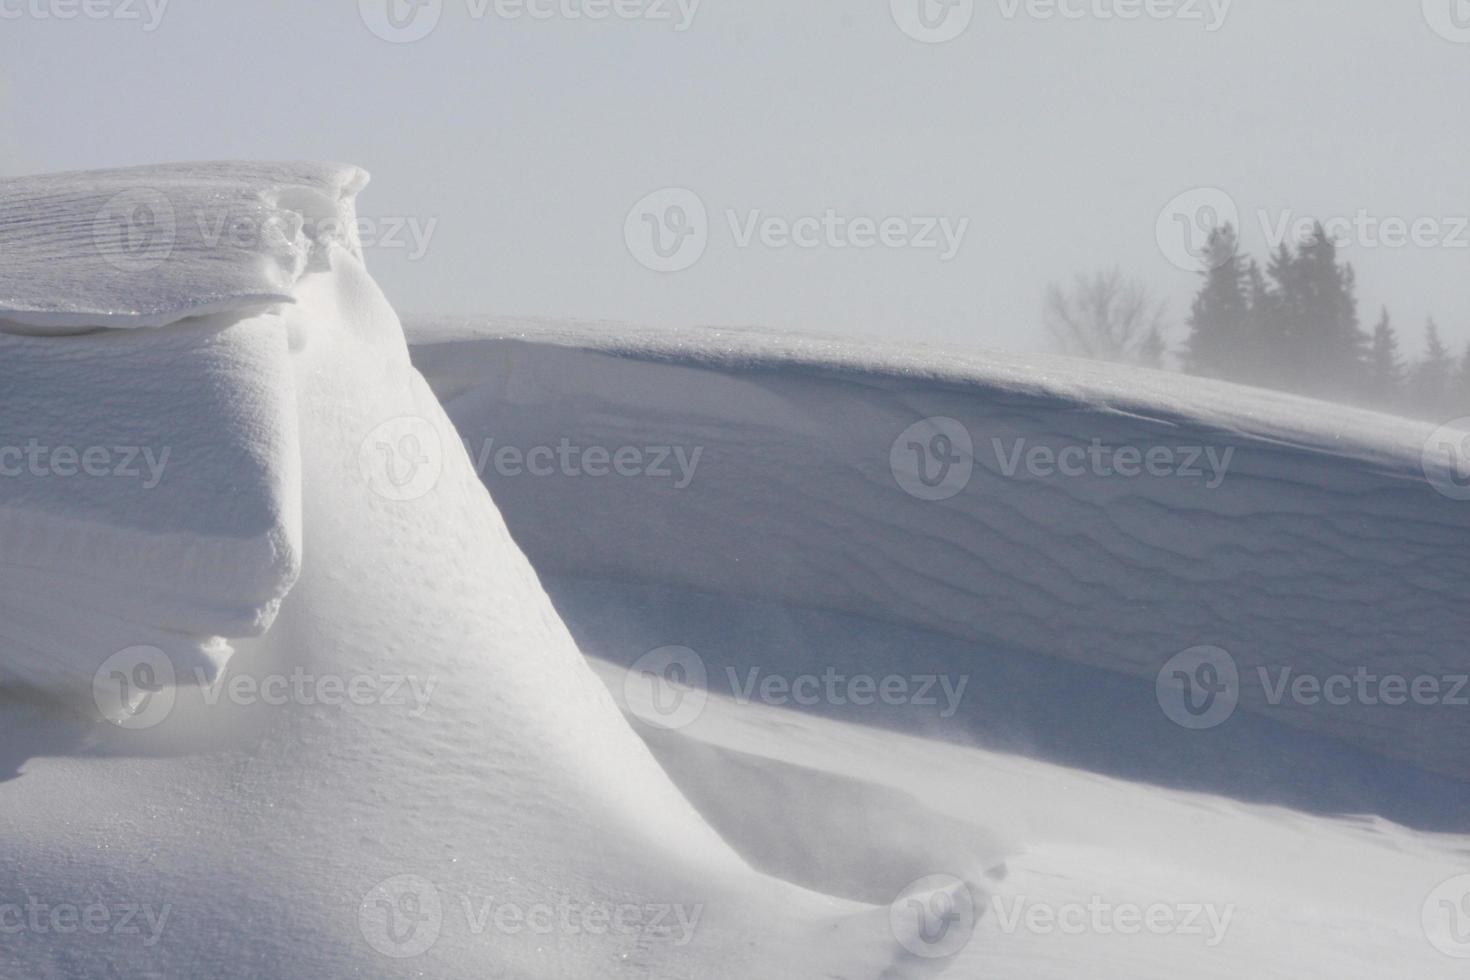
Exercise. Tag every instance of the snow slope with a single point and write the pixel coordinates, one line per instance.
(1238, 890)
(413, 772)
(1301, 538)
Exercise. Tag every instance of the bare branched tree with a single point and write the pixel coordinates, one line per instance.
(1108, 317)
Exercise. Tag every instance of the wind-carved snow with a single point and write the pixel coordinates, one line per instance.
(149, 490)
(491, 769)
(315, 505)
(1295, 535)
(147, 246)
(149, 479)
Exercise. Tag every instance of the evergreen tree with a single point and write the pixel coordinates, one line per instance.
(1220, 313)
(1264, 337)
(1385, 368)
(1324, 344)
(1460, 404)
(1433, 375)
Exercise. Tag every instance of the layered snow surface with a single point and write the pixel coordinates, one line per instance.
(283, 694)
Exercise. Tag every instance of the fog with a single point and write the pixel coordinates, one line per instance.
(857, 173)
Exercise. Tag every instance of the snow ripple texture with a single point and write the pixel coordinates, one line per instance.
(1324, 549)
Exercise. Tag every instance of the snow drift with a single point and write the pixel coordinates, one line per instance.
(149, 480)
(447, 761)
(1301, 538)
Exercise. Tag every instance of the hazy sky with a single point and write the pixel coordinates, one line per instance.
(516, 146)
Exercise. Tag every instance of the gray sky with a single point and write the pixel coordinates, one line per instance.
(515, 147)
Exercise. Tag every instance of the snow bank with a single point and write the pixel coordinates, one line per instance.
(470, 770)
(1293, 534)
(149, 479)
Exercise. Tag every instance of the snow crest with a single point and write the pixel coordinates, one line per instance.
(1303, 539)
(148, 246)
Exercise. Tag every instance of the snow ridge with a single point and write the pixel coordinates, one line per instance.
(148, 246)
(1307, 538)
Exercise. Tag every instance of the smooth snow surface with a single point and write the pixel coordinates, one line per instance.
(1293, 534)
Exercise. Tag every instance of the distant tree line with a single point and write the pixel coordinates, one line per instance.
(1293, 326)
